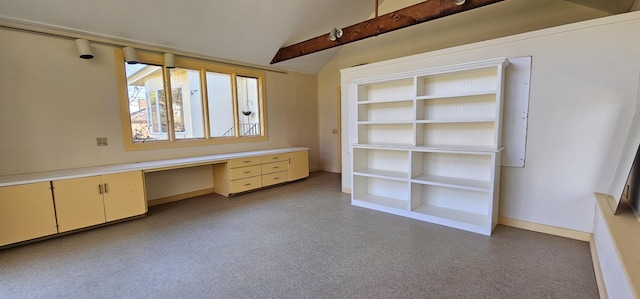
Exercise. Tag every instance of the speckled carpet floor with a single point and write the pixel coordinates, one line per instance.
(300, 240)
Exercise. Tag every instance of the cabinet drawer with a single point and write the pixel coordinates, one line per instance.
(274, 158)
(275, 178)
(241, 162)
(245, 184)
(244, 172)
(275, 167)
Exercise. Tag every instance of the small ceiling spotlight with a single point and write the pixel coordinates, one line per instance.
(169, 60)
(84, 49)
(335, 34)
(130, 55)
(459, 2)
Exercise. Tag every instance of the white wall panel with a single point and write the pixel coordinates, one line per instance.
(581, 101)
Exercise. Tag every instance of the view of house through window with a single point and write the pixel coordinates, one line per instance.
(249, 112)
(203, 104)
(147, 103)
(186, 101)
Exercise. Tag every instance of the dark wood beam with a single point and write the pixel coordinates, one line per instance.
(409, 16)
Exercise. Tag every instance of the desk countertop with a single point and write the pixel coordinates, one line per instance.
(147, 166)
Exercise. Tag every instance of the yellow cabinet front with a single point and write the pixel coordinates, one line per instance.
(78, 203)
(124, 195)
(88, 201)
(247, 184)
(26, 212)
(298, 165)
(274, 178)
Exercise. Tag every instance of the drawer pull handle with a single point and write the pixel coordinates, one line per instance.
(247, 184)
(247, 171)
(274, 158)
(100, 188)
(246, 161)
(276, 178)
(276, 167)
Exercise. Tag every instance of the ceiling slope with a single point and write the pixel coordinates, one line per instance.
(247, 31)
(405, 17)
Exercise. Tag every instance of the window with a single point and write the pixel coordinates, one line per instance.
(207, 103)
(220, 102)
(247, 99)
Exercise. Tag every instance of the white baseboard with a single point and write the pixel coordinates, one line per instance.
(546, 229)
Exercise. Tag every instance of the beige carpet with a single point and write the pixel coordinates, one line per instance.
(300, 240)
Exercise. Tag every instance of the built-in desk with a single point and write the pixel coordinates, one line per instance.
(44, 204)
(148, 166)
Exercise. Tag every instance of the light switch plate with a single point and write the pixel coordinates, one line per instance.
(101, 141)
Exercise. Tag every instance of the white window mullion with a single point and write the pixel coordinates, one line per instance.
(168, 96)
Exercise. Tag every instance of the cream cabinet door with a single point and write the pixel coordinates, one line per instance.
(298, 165)
(123, 195)
(26, 212)
(78, 202)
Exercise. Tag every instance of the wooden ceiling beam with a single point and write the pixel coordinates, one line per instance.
(409, 16)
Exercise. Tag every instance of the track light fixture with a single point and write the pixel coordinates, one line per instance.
(130, 55)
(169, 60)
(335, 34)
(83, 48)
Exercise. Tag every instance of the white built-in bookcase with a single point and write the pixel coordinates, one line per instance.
(428, 144)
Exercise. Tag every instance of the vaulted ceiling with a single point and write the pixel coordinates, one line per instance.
(250, 31)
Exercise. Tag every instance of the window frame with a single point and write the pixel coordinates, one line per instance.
(202, 66)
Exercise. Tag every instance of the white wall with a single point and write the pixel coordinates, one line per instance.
(53, 105)
(584, 84)
(493, 21)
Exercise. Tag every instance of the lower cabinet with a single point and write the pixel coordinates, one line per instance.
(34, 210)
(89, 201)
(275, 169)
(26, 212)
(298, 165)
(245, 174)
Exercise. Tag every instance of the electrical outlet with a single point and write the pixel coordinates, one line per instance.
(334, 131)
(101, 141)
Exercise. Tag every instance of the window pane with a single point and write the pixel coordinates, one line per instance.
(220, 103)
(146, 102)
(248, 106)
(162, 111)
(186, 102)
